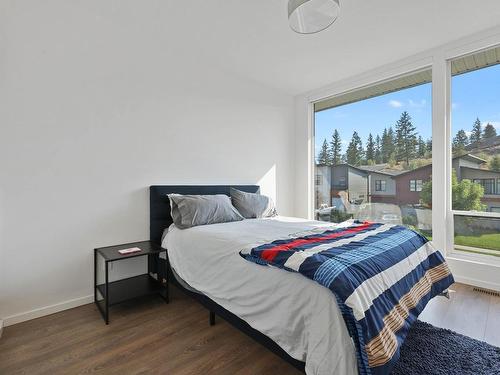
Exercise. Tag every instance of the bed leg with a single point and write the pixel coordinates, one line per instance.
(212, 318)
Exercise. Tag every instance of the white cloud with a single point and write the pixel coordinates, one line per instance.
(496, 124)
(417, 104)
(395, 103)
(454, 105)
(340, 115)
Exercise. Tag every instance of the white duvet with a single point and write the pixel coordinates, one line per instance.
(298, 314)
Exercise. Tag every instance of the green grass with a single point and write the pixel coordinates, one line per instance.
(489, 241)
(485, 241)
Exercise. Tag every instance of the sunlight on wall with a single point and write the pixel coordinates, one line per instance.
(268, 183)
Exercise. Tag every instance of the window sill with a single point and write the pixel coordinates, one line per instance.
(480, 259)
(474, 269)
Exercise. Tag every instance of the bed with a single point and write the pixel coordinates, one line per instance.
(295, 317)
(254, 323)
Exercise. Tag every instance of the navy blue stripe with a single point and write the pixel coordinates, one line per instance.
(314, 261)
(391, 297)
(354, 275)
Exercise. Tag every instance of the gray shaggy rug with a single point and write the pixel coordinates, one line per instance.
(436, 351)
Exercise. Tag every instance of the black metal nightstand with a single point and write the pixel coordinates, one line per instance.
(119, 291)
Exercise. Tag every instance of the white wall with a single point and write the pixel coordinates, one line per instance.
(99, 101)
(304, 149)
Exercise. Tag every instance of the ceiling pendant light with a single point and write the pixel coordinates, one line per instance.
(311, 16)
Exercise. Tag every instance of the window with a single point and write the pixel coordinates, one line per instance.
(380, 185)
(416, 185)
(318, 179)
(381, 129)
(475, 148)
(487, 184)
(467, 116)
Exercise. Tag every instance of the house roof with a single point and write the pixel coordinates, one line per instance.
(381, 169)
(470, 157)
(496, 173)
(414, 170)
(350, 166)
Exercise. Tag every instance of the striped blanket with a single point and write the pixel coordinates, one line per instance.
(381, 275)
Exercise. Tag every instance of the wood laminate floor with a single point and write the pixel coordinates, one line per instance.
(152, 337)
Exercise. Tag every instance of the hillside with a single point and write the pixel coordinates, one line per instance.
(488, 146)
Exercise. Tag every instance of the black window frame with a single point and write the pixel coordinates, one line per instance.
(380, 185)
(414, 185)
(489, 185)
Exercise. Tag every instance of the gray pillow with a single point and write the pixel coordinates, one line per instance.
(191, 210)
(252, 205)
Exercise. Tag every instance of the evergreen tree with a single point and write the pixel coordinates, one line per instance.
(378, 150)
(383, 147)
(354, 154)
(428, 148)
(475, 136)
(495, 163)
(422, 148)
(387, 147)
(489, 131)
(370, 149)
(391, 138)
(406, 138)
(324, 154)
(335, 148)
(460, 142)
(428, 145)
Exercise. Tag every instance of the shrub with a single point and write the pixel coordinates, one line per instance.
(466, 195)
(337, 216)
(410, 220)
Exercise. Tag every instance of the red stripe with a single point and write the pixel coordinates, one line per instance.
(271, 253)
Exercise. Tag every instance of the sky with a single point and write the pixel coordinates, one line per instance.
(474, 94)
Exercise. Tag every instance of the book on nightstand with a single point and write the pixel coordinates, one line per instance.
(129, 250)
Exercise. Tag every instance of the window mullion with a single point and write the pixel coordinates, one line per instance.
(441, 157)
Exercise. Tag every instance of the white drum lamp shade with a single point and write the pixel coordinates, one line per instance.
(311, 16)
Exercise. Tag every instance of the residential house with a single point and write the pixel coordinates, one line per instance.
(322, 182)
(330, 180)
(409, 184)
(379, 184)
(382, 186)
(472, 167)
(354, 180)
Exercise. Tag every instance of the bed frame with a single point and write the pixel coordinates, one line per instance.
(160, 219)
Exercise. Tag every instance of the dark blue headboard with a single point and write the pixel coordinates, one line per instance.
(159, 205)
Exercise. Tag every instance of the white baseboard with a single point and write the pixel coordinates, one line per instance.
(476, 282)
(47, 310)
